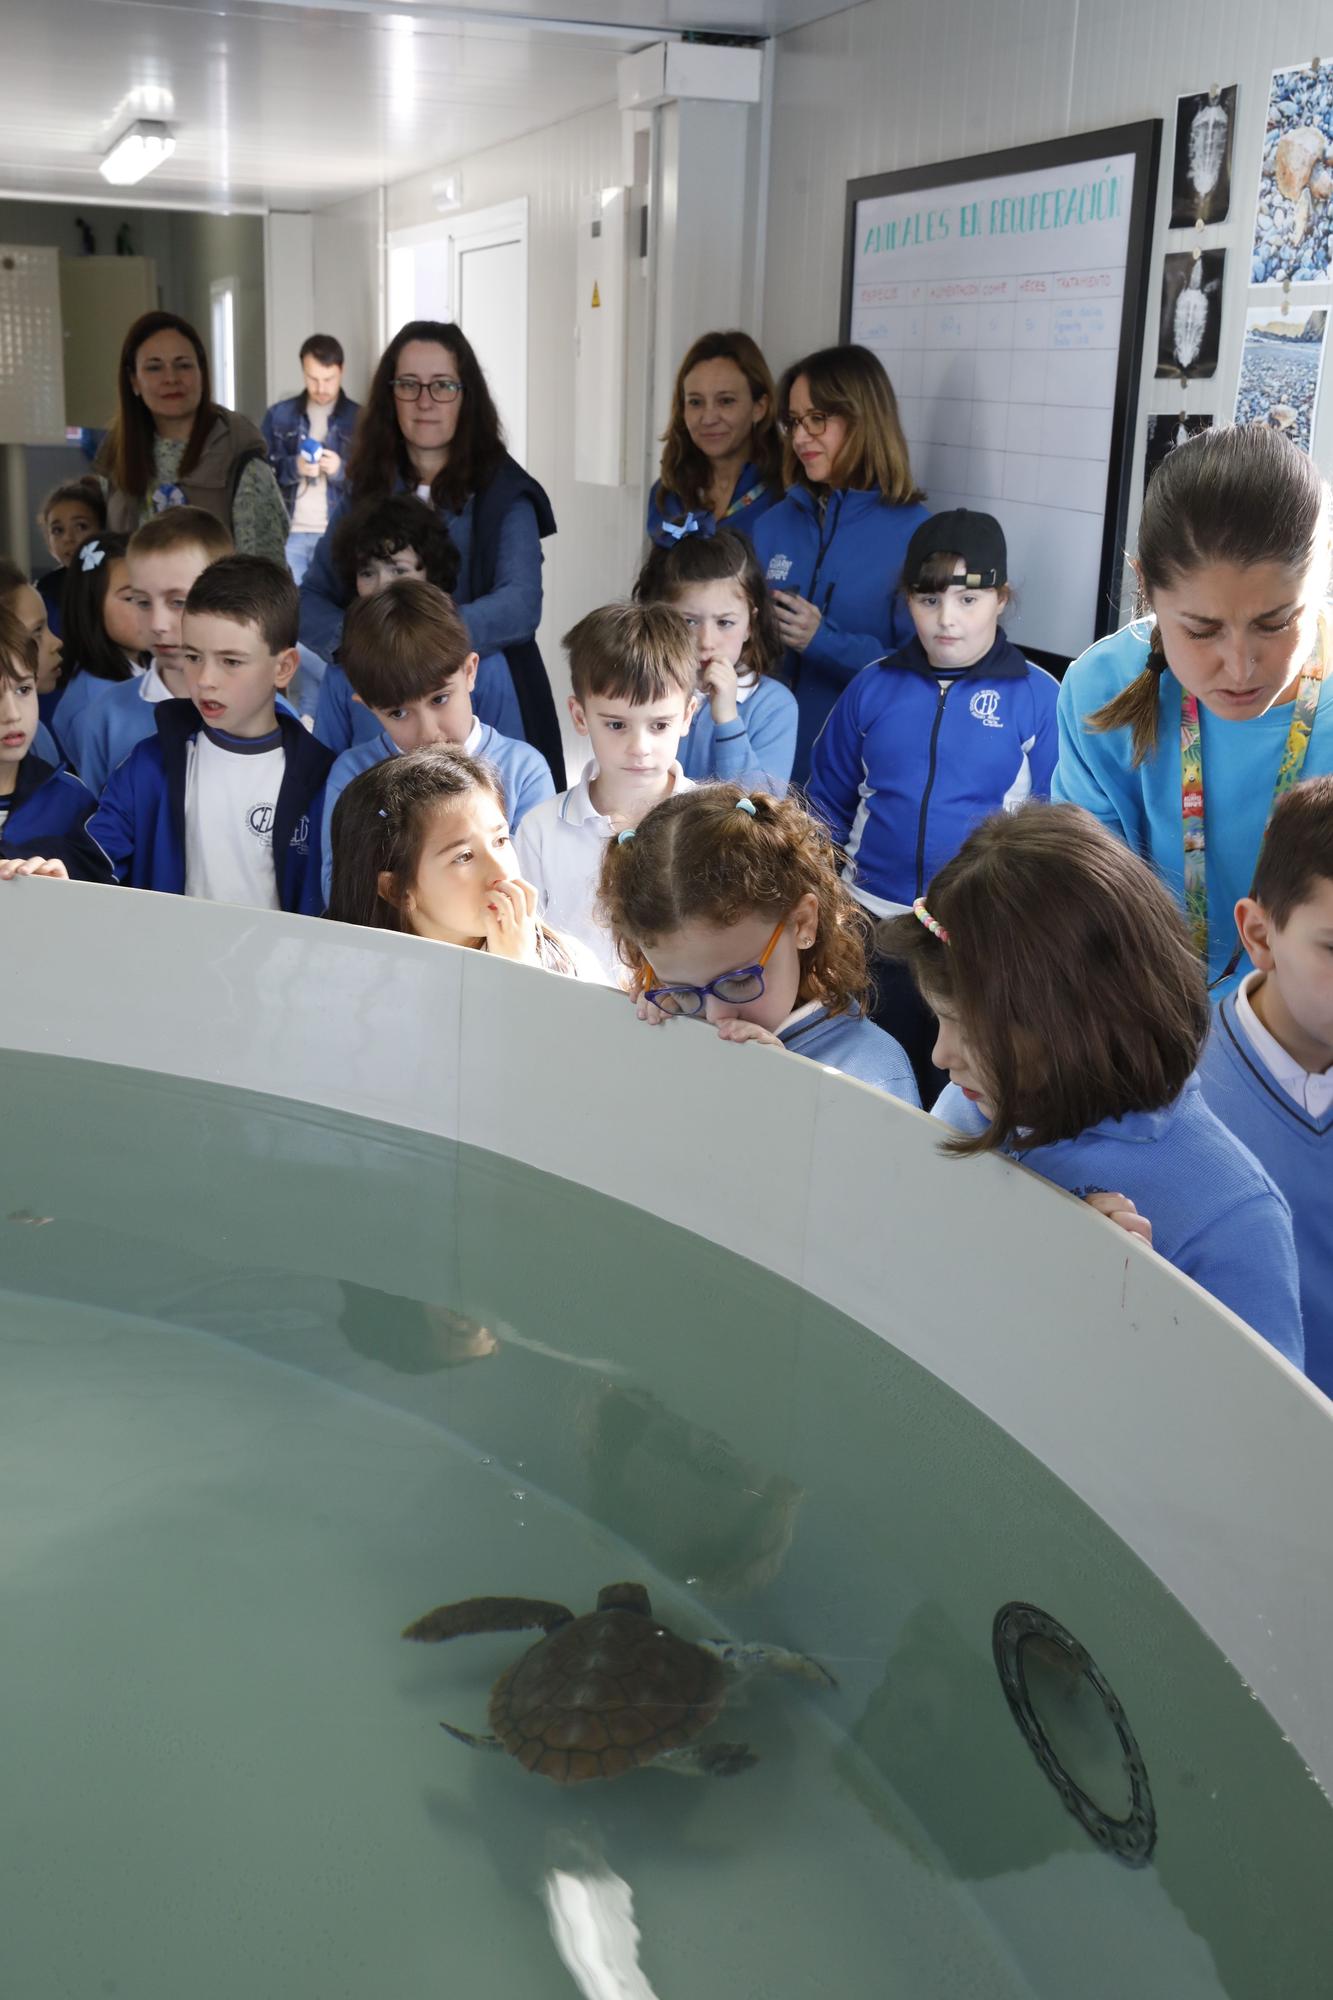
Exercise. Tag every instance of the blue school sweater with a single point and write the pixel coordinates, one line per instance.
(752, 507)
(854, 1045)
(1215, 1214)
(524, 773)
(1297, 1151)
(341, 720)
(140, 823)
(910, 761)
(845, 555)
(48, 815)
(73, 699)
(756, 749)
(1240, 766)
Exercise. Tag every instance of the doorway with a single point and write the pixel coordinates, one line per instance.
(472, 269)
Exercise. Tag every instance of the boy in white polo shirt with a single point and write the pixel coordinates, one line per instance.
(634, 672)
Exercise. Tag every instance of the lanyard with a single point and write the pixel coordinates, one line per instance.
(1191, 784)
(746, 499)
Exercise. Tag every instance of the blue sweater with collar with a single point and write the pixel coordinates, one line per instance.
(140, 823)
(1297, 1150)
(1143, 805)
(48, 816)
(844, 553)
(1215, 1213)
(855, 1046)
(910, 761)
(755, 750)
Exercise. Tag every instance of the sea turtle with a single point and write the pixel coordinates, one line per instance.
(602, 1693)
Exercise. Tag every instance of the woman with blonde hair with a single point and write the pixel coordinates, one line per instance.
(721, 457)
(833, 550)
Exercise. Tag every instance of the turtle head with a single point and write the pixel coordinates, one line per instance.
(625, 1597)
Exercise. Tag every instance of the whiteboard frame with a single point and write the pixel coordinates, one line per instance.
(1143, 141)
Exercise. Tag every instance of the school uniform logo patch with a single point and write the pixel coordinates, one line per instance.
(259, 819)
(300, 839)
(985, 706)
(779, 569)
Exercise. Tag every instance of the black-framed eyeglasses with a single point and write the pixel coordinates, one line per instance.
(734, 989)
(443, 388)
(813, 422)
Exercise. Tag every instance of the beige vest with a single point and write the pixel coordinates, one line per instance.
(232, 443)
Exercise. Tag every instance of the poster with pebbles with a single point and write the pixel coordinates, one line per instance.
(1295, 218)
(1191, 316)
(1164, 434)
(1205, 133)
(1280, 365)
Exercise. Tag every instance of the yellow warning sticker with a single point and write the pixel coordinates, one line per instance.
(596, 295)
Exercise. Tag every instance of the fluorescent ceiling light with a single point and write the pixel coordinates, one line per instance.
(136, 152)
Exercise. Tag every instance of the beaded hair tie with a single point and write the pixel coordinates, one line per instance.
(932, 924)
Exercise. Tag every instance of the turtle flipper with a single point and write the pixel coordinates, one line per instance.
(708, 1760)
(757, 1658)
(473, 1742)
(487, 1614)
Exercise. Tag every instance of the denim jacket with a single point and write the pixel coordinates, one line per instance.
(285, 425)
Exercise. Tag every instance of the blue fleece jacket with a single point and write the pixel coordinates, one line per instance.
(1143, 806)
(909, 761)
(341, 720)
(855, 1046)
(1215, 1214)
(524, 773)
(1297, 1150)
(48, 815)
(845, 555)
(751, 500)
(756, 749)
(140, 823)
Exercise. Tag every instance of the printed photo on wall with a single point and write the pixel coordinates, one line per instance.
(1280, 366)
(1201, 186)
(1292, 226)
(1164, 434)
(1191, 314)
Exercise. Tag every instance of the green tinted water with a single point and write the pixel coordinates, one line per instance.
(272, 1383)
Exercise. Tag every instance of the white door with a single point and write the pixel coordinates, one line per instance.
(491, 308)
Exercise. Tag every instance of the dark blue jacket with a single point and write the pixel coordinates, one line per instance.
(908, 763)
(140, 823)
(505, 510)
(285, 424)
(845, 558)
(48, 813)
(752, 500)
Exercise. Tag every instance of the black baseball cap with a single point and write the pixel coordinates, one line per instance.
(977, 538)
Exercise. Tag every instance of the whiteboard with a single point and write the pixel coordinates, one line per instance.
(1004, 296)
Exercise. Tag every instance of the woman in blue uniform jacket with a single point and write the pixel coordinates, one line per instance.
(833, 551)
(721, 458)
(429, 426)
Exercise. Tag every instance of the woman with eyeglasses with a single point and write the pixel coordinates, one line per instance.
(429, 426)
(171, 445)
(833, 550)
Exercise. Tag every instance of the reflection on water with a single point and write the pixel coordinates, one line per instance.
(246, 1433)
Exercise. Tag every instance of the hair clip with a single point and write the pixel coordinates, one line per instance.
(382, 813)
(90, 555)
(678, 530)
(626, 833)
(746, 806)
(932, 924)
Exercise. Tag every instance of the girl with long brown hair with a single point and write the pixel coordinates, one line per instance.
(833, 551)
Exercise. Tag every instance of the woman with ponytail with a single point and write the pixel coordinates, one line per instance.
(1181, 731)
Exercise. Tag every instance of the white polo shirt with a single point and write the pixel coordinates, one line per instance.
(559, 847)
(1311, 1089)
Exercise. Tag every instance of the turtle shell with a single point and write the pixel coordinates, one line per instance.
(605, 1692)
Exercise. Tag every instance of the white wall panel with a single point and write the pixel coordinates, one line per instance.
(889, 85)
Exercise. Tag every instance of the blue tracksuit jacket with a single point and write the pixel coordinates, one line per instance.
(909, 761)
(140, 823)
(48, 813)
(845, 555)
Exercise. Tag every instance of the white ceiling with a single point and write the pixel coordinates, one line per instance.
(275, 102)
